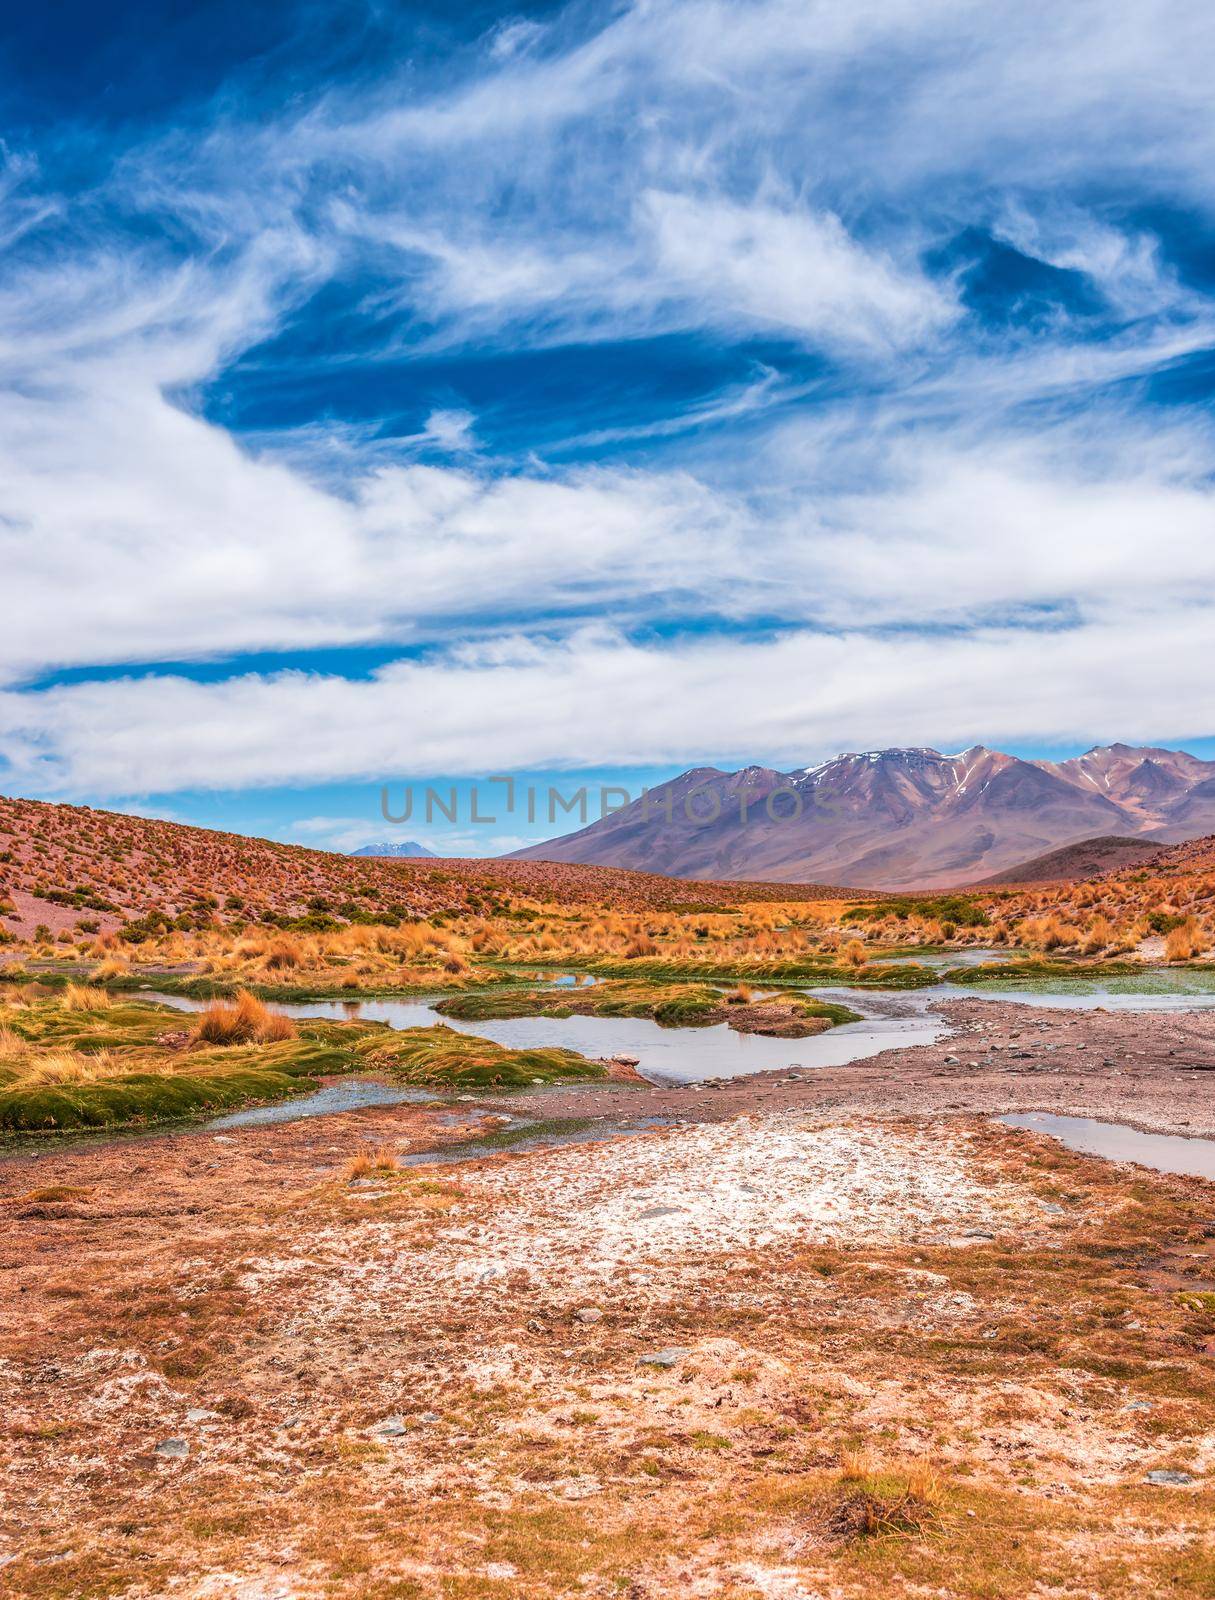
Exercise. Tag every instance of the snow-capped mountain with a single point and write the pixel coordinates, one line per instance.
(409, 847)
(897, 818)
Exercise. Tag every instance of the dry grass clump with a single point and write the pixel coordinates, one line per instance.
(81, 997)
(1046, 933)
(63, 1066)
(873, 1502)
(854, 953)
(112, 967)
(1101, 936)
(247, 1021)
(1185, 941)
(369, 1162)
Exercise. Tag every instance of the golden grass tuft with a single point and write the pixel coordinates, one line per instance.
(855, 954)
(1185, 941)
(874, 1501)
(248, 1021)
(69, 1066)
(80, 997)
(112, 967)
(368, 1162)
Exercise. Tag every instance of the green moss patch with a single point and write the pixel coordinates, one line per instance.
(442, 1056)
(139, 1097)
(670, 1004)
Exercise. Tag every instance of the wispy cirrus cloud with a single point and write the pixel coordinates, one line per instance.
(901, 310)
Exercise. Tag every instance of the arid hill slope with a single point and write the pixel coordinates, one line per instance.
(74, 868)
(1076, 861)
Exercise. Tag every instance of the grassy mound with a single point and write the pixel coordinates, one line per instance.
(670, 1004)
(140, 1097)
(442, 1056)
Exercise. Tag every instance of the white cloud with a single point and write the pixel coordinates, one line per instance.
(597, 699)
(785, 267)
(780, 168)
(450, 430)
(344, 834)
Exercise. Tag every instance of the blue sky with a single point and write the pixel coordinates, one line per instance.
(420, 392)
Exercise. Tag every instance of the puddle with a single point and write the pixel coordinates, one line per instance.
(352, 1094)
(533, 1135)
(1165, 1152)
(1081, 994)
(665, 1055)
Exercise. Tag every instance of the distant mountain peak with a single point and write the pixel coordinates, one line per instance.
(898, 817)
(407, 848)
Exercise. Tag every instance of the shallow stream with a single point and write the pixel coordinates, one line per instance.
(664, 1055)
(1165, 1152)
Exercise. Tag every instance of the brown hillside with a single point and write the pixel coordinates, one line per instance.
(71, 868)
(1085, 859)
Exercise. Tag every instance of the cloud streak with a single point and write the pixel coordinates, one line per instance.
(598, 699)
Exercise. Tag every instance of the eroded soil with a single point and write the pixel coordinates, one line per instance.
(645, 1367)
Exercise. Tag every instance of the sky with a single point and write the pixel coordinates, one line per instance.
(402, 394)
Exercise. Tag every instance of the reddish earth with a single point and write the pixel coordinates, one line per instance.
(64, 866)
(641, 1368)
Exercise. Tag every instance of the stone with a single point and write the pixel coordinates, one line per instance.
(588, 1314)
(651, 1212)
(670, 1357)
(172, 1449)
(1167, 1476)
(391, 1428)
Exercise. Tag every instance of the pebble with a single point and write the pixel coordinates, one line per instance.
(1167, 1475)
(391, 1428)
(172, 1449)
(588, 1314)
(651, 1212)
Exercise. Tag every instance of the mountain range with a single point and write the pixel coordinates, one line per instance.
(897, 819)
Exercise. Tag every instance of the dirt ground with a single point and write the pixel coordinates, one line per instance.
(688, 1361)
